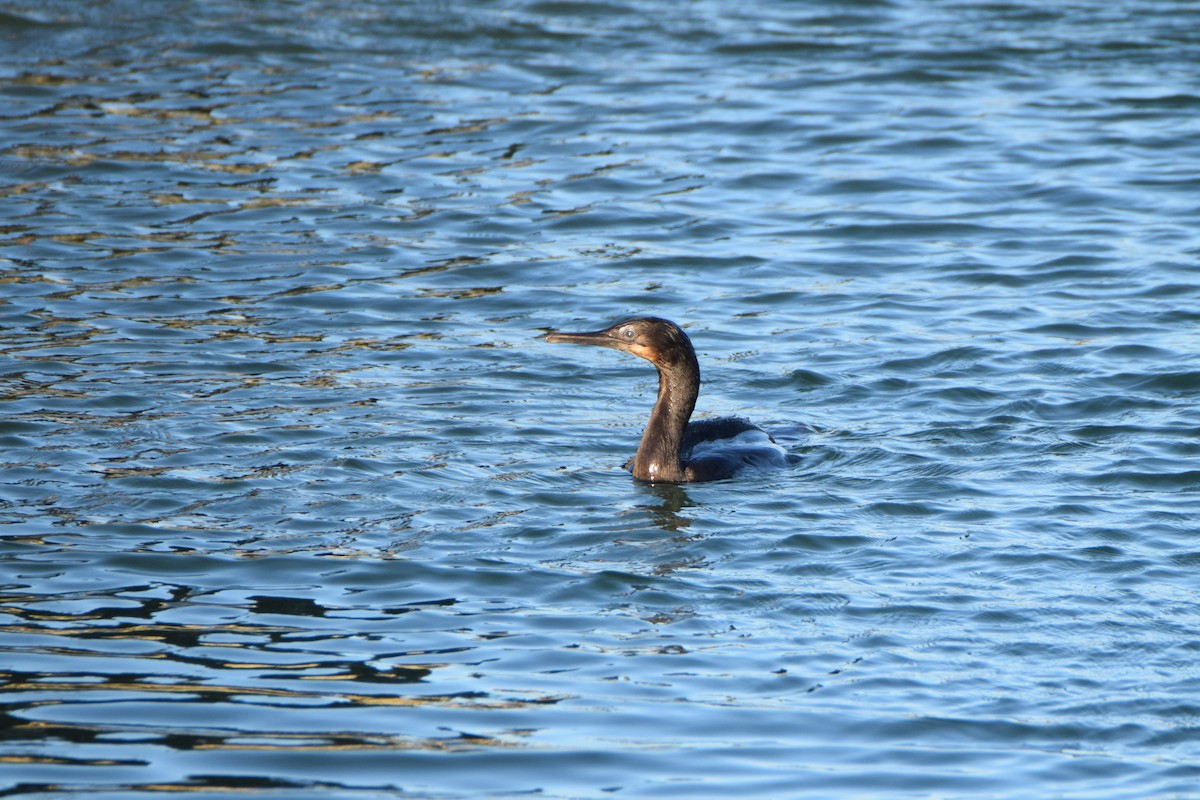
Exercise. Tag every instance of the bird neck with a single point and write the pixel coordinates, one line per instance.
(658, 456)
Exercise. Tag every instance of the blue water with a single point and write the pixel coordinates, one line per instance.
(296, 503)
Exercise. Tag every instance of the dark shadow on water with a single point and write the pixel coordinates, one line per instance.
(672, 498)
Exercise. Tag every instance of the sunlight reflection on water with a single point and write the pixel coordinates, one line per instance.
(296, 503)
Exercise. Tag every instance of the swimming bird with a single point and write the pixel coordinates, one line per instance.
(674, 450)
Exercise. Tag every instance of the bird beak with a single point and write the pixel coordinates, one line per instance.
(601, 338)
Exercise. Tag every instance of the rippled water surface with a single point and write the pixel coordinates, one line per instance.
(296, 502)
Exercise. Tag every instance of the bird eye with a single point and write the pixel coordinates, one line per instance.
(629, 334)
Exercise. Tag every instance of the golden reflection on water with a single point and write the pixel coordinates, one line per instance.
(269, 293)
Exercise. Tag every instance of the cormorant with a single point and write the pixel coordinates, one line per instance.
(673, 450)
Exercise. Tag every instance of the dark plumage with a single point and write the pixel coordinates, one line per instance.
(673, 450)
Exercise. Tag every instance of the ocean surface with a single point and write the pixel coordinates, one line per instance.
(295, 501)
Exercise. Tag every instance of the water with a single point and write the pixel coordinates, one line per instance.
(297, 504)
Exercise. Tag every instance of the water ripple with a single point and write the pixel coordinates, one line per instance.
(295, 503)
